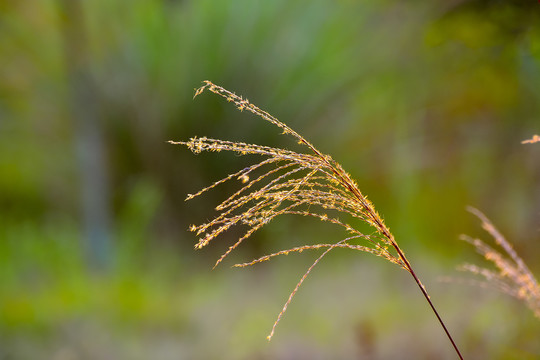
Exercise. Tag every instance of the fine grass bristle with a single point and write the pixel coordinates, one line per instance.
(285, 182)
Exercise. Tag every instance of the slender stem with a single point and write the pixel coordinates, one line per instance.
(388, 235)
(424, 292)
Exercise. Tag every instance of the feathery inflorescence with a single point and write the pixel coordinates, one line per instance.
(286, 182)
(511, 276)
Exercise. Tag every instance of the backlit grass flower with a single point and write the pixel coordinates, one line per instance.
(286, 182)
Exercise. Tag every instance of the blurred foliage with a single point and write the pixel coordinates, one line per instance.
(425, 103)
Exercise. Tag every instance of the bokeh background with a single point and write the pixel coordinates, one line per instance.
(425, 103)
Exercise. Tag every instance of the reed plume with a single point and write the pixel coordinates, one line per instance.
(290, 183)
(511, 275)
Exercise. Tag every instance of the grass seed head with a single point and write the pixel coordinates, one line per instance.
(286, 182)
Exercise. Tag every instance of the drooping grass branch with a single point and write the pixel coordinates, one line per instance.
(289, 183)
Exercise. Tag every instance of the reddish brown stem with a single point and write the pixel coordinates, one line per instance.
(424, 292)
(389, 236)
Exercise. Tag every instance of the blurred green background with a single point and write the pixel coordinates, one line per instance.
(425, 103)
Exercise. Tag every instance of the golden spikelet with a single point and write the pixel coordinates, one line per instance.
(290, 183)
(532, 140)
(511, 276)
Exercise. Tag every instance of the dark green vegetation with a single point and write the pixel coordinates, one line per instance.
(424, 104)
